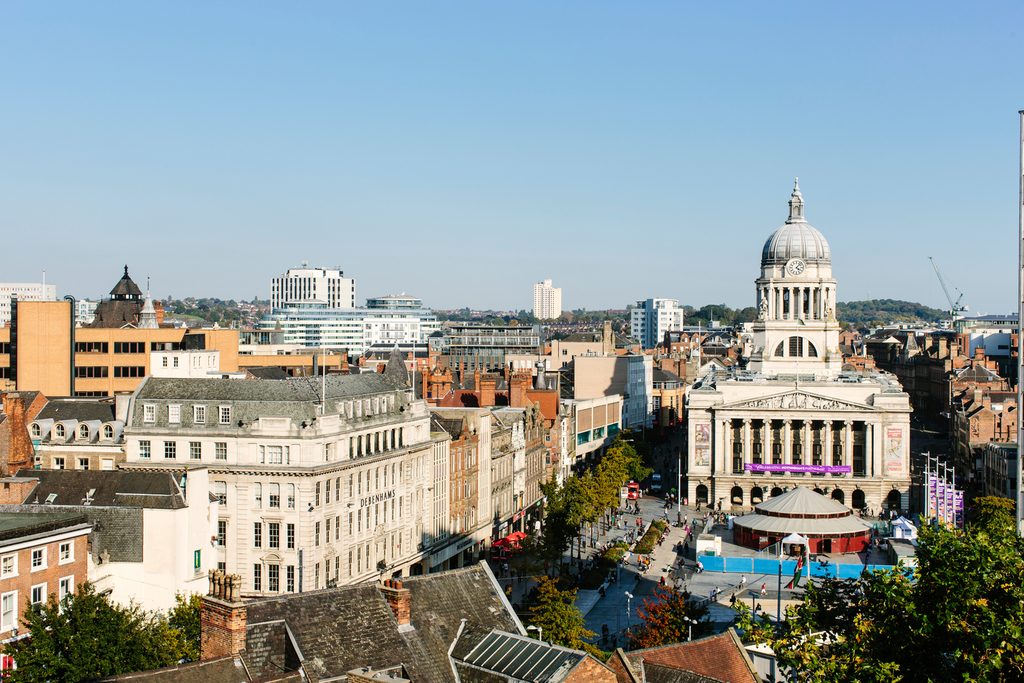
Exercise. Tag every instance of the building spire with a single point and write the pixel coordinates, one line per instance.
(796, 204)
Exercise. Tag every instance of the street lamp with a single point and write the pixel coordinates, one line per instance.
(629, 612)
(689, 625)
(538, 629)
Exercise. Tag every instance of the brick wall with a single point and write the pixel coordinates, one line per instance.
(49, 575)
(590, 671)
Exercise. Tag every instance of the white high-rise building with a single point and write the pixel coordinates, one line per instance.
(24, 291)
(547, 301)
(321, 286)
(649, 320)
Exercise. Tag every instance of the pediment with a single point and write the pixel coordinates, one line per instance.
(797, 400)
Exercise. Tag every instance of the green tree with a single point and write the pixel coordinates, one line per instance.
(559, 618)
(664, 619)
(957, 616)
(86, 636)
(184, 621)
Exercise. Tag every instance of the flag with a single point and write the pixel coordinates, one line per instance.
(795, 581)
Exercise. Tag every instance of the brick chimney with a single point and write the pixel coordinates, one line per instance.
(222, 617)
(399, 600)
(518, 386)
(486, 388)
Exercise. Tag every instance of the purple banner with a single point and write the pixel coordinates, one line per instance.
(782, 467)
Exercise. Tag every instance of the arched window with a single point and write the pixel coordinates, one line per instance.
(83, 431)
(35, 431)
(58, 431)
(780, 350)
(811, 351)
(108, 432)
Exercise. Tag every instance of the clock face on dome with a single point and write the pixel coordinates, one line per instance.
(795, 266)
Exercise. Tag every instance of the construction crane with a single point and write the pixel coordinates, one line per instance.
(955, 307)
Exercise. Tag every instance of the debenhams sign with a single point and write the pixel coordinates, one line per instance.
(376, 498)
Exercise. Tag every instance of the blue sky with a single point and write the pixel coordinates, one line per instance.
(462, 151)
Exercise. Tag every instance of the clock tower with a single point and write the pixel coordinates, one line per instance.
(796, 332)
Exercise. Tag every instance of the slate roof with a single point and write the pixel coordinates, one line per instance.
(116, 488)
(126, 287)
(293, 389)
(340, 629)
(452, 426)
(81, 409)
(221, 670)
(395, 369)
(665, 376)
(268, 373)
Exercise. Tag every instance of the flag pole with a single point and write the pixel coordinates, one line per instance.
(1020, 317)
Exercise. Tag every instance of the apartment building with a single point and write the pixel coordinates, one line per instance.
(547, 301)
(23, 291)
(303, 286)
(651, 319)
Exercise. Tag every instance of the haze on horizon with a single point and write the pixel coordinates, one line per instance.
(462, 151)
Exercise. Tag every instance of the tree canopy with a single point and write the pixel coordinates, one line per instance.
(664, 619)
(559, 618)
(958, 616)
(86, 636)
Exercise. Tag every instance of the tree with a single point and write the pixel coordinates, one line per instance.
(86, 636)
(957, 616)
(184, 620)
(664, 619)
(558, 617)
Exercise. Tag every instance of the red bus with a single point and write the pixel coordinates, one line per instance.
(632, 491)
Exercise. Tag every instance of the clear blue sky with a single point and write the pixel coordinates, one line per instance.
(462, 151)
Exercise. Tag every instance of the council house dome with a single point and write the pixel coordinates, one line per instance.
(796, 238)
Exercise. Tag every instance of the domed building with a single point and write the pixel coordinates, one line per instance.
(789, 415)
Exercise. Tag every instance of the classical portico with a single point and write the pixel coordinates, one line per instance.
(793, 416)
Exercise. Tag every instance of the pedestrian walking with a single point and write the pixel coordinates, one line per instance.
(764, 589)
(700, 567)
(743, 581)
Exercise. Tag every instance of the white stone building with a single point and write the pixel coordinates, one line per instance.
(547, 301)
(320, 286)
(314, 489)
(650, 319)
(386, 320)
(794, 415)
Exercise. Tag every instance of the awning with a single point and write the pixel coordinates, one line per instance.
(794, 539)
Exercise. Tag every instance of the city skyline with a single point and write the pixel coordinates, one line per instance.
(656, 146)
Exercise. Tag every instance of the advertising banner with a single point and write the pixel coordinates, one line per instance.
(782, 467)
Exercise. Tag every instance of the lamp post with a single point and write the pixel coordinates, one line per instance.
(538, 629)
(629, 611)
(689, 627)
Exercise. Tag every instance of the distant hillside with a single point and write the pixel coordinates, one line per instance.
(875, 312)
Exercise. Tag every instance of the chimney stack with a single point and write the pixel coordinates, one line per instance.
(222, 617)
(399, 600)
(486, 388)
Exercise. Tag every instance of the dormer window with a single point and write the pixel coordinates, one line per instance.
(149, 413)
(108, 432)
(58, 431)
(35, 432)
(83, 432)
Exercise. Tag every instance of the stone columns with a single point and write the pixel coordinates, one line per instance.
(748, 449)
(826, 443)
(848, 444)
(768, 450)
(787, 442)
(725, 462)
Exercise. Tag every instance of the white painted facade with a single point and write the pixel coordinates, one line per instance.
(178, 552)
(184, 363)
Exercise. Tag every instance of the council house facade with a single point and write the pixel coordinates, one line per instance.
(793, 415)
